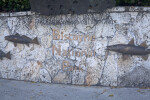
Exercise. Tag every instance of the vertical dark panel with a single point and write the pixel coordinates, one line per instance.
(56, 7)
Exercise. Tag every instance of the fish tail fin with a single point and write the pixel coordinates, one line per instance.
(8, 55)
(35, 40)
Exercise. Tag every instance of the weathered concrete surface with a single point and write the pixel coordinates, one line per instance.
(19, 90)
(42, 63)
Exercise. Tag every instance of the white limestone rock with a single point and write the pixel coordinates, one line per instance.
(12, 22)
(62, 77)
(31, 71)
(44, 76)
(94, 71)
(109, 74)
(78, 77)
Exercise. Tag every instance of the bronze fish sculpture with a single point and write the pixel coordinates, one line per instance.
(131, 49)
(2, 55)
(21, 39)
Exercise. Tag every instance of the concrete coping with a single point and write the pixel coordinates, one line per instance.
(11, 14)
(112, 10)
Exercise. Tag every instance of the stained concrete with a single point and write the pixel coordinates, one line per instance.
(20, 90)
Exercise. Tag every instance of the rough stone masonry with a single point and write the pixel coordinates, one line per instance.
(44, 63)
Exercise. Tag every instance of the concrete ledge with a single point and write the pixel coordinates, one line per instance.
(11, 14)
(113, 10)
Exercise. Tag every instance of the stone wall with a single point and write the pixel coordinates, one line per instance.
(78, 59)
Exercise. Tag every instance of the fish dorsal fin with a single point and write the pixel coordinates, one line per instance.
(145, 57)
(131, 42)
(125, 57)
(144, 44)
(17, 34)
(25, 37)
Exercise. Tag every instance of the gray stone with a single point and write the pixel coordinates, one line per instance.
(138, 77)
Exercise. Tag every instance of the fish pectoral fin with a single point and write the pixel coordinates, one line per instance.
(131, 42)
(15, 44)
(145, 57)
(8, 55)
(27, 44)
(125, 57)
(144, 44)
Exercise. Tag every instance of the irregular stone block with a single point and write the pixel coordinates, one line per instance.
(62, 77)
(94, 71)
(78, 77)
(44, 76)
(138, 77)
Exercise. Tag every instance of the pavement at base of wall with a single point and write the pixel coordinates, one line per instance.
(21, 90)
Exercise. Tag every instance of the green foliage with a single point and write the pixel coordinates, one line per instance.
(14, 5)
(133, 2)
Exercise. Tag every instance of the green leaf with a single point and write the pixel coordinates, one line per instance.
(132, 1)
(22, 6)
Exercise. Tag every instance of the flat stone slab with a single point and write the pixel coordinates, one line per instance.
(20, 90)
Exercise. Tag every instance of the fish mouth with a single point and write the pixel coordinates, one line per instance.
(6, 37)
(108, 48)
